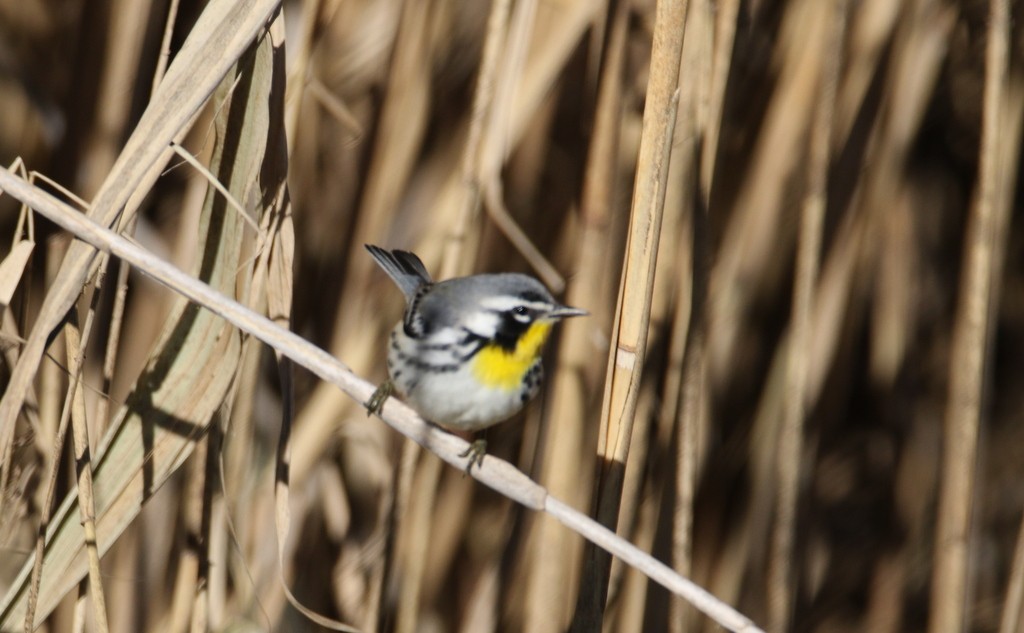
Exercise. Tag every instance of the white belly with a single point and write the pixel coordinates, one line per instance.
(457, 401)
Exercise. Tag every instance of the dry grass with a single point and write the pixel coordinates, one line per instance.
(791, 221)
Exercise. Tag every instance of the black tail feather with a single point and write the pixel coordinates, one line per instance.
(404, 268)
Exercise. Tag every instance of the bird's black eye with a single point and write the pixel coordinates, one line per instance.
(521, 314)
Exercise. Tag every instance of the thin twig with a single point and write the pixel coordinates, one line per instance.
(165, 46)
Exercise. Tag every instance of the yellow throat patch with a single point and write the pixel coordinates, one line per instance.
(497, 367)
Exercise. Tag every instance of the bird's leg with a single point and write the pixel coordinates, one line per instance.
(475, 453)
(379, 397)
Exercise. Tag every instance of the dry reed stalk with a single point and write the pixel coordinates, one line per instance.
(484, 602)
(972, 341)
(756, 231)
(186, 607)
(1010, 619)
(673, 270)
(1012, 616)
(453, 507)
(871, 30)
(299, 76)
(217, 553)
(629, 338)
(416, 536)
(120, 67)
(685, 387)
(711, 113)
(472, 163)
(782, 577)
(554, 554)
(74, 341)
(417, 546)
(51, 487)
(209, 461)
(400, 130)
(634, 493)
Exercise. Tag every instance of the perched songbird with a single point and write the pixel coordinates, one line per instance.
(467, 353)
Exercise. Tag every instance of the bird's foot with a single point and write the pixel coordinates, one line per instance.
(379, 397)
(475, 453)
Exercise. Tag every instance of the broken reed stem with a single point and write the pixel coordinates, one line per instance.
(970, 345)
(782, 580)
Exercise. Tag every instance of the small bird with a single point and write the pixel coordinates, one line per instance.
(467, 353)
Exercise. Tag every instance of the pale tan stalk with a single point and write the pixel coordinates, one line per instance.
(299, 79)
(685, 385)
(635, 490)
(554, 555)
(454, 258)
(75, 345)
(629, 331)
(782, 579)
(414, 563)
(74, 408)
(1012, 617)
(165, 45)
(413, 515)
(972, 342)
(123, 52)
(727, 13)
(206, 470)
(187, 606)
(755, 233)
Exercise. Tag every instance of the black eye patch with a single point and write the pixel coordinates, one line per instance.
(512, 326)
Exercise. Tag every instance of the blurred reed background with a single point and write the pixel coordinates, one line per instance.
(827, 429)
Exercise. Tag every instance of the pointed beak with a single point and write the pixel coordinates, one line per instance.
(564, 312)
